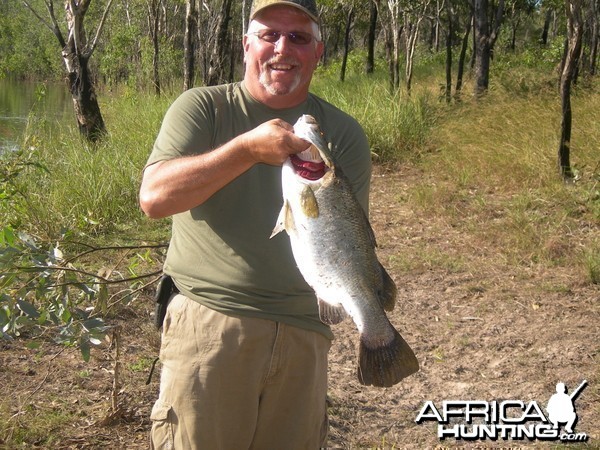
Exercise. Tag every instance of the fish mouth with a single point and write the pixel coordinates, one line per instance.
(309, 170)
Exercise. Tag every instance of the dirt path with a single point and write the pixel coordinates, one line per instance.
(495, 332)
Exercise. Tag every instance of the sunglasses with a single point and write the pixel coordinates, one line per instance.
(295, 37)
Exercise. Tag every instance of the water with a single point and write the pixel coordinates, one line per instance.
(20, 98)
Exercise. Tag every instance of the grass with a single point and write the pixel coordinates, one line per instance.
(398, 125)
(489, 167)
(92, 188)
(34, 425)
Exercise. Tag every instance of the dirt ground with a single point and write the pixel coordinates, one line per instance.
(497, 332)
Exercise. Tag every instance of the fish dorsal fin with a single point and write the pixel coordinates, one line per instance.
(330, 314)
(387, 294)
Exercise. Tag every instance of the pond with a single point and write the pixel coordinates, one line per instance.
(18, 99)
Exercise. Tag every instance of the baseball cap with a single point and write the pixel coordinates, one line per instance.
(309, 7)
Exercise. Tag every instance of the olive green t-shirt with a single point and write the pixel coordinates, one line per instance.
(220, 253)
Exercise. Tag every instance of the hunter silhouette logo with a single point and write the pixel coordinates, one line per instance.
(509, 419)
(561, 407)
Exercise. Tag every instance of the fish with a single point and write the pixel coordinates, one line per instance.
(334, 248)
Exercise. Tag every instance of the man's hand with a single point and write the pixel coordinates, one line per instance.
(273, 142)
(177, 185)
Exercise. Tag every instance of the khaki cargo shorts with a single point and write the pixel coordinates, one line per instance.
(233, 383)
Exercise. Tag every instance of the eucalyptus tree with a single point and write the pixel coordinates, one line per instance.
(76, 51)
(486, 34)
(351, 12)
(221, 52)
(572, 54)
(373, 14)
(394, 27)
(191, 30)
(463, 52)
(591, 36)
(414, 13)
(516, 12)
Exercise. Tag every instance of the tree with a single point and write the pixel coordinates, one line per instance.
(448, 89)
(569, 67)
(515, 12)
(154, 14)
(349, 19)
(593, 34)
(373, 11)
(394, 28)
(463, 54)
(217, 68)
(191, 24)
(76, 54)
(413, 16)
(486, 34)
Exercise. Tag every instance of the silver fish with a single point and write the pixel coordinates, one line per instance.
(334, 247)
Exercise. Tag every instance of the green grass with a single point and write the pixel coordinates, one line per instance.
(33, 425)
(397, 125)
(89, 188)
(489, 167)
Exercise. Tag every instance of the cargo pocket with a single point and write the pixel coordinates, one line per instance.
(162, 433)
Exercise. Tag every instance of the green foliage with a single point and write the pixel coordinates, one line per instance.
(119, 62)
(27, 49)
(40, 292)
(48, 283)
(397, 125)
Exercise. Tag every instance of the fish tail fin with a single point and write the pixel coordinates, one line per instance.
(386, 365)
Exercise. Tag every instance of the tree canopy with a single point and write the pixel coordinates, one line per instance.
(145, 43)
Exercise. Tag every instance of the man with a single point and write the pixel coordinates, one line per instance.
(244, 354)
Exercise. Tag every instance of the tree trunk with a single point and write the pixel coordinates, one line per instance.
(572, 53)
(594, 39)
(154, 18)
(370, 68)
(544, 38)
(394, 47)
(449, 54)
(85, 103)
(217, 71)
(191, 24)
(485, 39)
(346, 43)
(482, 50)
(411, 33)
(462, 56)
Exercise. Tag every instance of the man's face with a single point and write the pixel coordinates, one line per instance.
(278, 74)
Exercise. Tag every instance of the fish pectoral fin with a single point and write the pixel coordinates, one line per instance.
(385, 364)
(331, 314)
(387, 294)
(285, 220)
(308, 203)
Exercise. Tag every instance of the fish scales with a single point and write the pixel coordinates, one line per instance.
(334, 247)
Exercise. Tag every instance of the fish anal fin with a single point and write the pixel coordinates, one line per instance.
(331, 314)
(387, 364)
